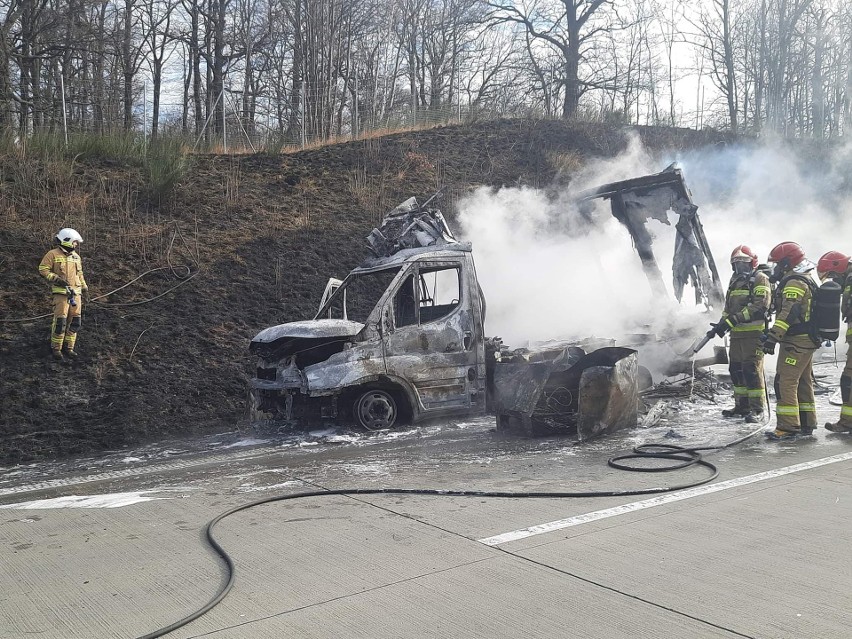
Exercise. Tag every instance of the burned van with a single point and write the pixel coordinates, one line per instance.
(402, 339)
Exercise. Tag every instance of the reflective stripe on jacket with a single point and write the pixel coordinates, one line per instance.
(56, 263)
(747, 302)
(793, 303)
(846, 303)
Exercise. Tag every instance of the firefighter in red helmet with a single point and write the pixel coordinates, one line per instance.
(835, 265)
(794, 382)
(746, 305)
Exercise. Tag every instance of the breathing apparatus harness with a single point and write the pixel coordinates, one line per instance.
(804, 322)
(820, 320)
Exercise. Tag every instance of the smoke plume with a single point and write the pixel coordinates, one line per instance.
(550, 271)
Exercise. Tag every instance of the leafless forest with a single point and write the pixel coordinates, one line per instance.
(289, 71)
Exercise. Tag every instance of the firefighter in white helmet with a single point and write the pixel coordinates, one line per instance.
(63, 269)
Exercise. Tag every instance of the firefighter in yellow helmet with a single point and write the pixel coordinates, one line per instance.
(746, 306)
(837, 266)
(794, 378)
(63, 269)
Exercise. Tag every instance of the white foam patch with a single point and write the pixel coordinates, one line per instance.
(372, 469)
(247, 442)
(326, 432)
(248, 488)
(114, 500)
(342, 439)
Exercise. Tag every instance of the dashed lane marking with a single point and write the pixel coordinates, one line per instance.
(668, 498)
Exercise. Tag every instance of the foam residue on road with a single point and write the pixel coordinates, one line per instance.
(114, 500)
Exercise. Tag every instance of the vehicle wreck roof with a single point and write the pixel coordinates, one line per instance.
(403, 256)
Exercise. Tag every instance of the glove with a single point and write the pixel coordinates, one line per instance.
(767, 344)
(60, 282)
(720, 328)
(86, 297)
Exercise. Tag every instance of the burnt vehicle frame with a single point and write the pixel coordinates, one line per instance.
(406, 353)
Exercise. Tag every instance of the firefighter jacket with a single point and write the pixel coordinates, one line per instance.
(57, 264)
(747, 304)
(846, 303)
(793, 304)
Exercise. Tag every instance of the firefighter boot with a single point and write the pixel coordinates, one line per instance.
(838, 427)
(740, 408)
(754, 416)
(781, 435)
(808, 420)
(844, 424)
(57, 354)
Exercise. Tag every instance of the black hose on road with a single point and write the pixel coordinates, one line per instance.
(682, 456)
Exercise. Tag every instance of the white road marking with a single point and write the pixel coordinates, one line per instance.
(115, 500)
(667, 498)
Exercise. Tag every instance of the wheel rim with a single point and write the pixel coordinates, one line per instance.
(376, 410)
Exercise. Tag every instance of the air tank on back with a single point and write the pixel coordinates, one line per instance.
(827, 310)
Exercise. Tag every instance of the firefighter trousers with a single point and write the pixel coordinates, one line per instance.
(846, 384)
(794, 385)
(67, 320)
(746, 368)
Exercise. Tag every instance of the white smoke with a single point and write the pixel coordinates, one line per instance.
(548, 273)
(766, 194)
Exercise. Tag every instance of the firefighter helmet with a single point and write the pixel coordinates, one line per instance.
(744, 254)
(833, 262)
(67, 237)
(787, 255)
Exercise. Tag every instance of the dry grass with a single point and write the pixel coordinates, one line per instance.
(371, 192)
(232, 185)
(371, 137)
(565, 164)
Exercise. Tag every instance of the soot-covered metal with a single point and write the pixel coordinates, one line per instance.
(402, 337)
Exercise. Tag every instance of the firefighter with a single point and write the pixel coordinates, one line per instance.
(835, 265)
(794, 382)
(746, 306)
(63, 269)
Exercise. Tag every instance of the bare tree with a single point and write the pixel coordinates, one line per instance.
(717, 27)
(565, 25)
(156, 18)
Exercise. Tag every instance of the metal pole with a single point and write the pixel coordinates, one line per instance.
(206, 122)
(240, 122)
(304, 112)
(64, 110)
(224, 120)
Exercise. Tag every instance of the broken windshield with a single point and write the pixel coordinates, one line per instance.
(358, 295)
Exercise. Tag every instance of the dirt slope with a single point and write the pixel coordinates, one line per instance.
(247, 241)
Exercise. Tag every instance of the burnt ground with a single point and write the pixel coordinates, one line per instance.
(244, 242)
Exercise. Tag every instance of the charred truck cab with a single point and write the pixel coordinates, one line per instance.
(401, 338)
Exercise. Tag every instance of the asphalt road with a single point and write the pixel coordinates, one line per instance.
(113, 546)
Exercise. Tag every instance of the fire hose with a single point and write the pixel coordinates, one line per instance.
(682, 457)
